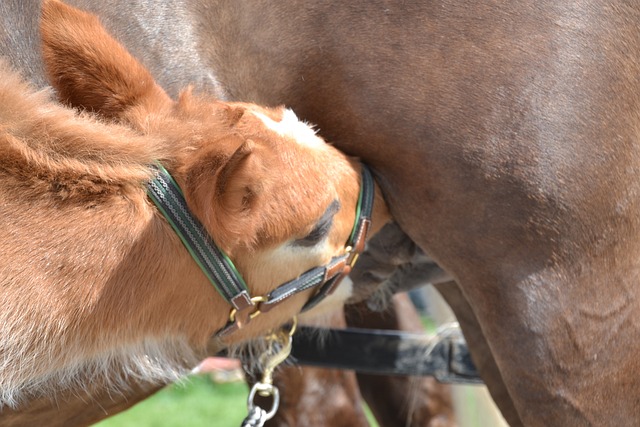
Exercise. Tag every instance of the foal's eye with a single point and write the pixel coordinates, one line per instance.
(322, 227)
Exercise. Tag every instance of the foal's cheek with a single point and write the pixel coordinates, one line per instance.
(331, 304)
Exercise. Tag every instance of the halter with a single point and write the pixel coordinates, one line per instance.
(224, 276)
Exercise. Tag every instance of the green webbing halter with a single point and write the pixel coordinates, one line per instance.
(223, 275)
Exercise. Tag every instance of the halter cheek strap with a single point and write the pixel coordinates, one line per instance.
(223, 275)
(215, 264)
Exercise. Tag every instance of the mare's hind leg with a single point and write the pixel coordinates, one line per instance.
(401, 401)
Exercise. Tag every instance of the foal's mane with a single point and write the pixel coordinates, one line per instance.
(47, 148)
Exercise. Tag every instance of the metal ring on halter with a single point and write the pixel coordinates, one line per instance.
(267, 390)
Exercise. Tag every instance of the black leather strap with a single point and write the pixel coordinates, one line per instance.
(386, 353)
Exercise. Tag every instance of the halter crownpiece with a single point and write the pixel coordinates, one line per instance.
(225, 278)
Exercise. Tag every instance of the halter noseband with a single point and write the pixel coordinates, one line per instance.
(221, 272)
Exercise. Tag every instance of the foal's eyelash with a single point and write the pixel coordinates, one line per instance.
(322, 227)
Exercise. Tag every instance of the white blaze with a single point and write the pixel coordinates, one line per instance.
(291, 126)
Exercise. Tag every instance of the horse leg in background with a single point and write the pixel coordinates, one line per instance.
(316, 397)
(480, 351)
(399, 400)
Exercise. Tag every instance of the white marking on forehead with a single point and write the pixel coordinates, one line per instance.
(292, 127)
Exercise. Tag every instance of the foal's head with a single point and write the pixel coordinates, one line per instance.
(272, 194)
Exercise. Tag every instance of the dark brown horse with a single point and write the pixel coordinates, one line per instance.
(504, 136)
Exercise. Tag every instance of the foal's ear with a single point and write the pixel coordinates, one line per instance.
(89, 68)
(225, 191)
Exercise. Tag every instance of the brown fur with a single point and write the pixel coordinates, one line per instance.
(74, 46)
(93, 281)
(505, 137)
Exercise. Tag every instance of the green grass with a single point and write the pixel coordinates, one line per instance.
(429, 325)
(197, 402)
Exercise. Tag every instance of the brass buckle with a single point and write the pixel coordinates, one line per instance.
(352, 256)
(243, 316)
